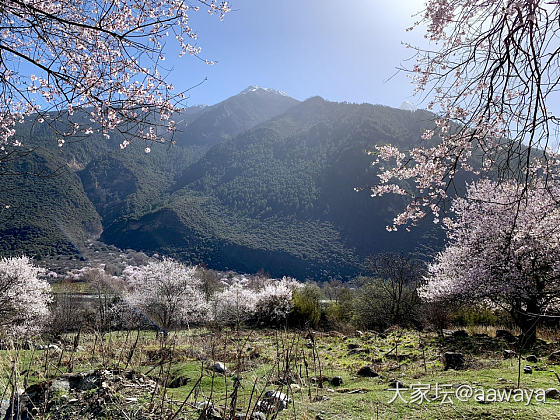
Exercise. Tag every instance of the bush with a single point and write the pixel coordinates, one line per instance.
(338, 314)
(479, 315)
(375, 306)
(275, 301)
(307, 307)
(235, 304)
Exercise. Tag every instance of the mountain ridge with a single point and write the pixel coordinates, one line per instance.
(258, 181)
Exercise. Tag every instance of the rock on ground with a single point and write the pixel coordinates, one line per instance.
(368, 372)
(453, 360)
(219, 367)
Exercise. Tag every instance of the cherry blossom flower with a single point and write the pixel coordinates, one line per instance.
(490, 74)
(102, 58)
(503, 249)
(24, 298)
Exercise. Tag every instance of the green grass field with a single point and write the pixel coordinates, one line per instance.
(294, 363)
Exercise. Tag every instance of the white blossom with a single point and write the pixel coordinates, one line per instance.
(167, 292)
(24, 298)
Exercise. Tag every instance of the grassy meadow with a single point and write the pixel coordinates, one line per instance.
(179, 371)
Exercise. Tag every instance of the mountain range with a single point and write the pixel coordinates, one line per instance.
(260, 181)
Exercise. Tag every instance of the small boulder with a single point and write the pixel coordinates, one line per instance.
(368, 372)
(453, 360)
(208, 411)
(60, 385)
(82, 381)
(179, 381)
(552, 393)
(395, 383)
(336, 381)
(219, 367)
(505, 335)
(53, 347)
(532, 358)
(555, 356)
(528, 369)
(295, 387)
(509, 354)
(318, 379)
(274, 401)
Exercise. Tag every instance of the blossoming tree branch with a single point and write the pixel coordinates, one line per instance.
(104, 57)
(491, 77)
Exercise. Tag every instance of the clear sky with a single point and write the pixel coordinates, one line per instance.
(340, 50)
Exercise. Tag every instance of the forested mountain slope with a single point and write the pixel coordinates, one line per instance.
(281, 196)
(259, 181)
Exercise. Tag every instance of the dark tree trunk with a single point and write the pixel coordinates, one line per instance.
(528, 321)
(529, 331)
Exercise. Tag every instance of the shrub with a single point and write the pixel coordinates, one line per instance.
(235, 304)
(307, 308)
(375, 306)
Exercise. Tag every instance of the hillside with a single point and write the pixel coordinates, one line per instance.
(46, 210)
(258, 181)
(280, 196)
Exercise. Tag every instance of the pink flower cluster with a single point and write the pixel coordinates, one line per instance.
(504, 247)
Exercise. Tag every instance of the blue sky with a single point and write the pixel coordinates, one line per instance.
(342, 51)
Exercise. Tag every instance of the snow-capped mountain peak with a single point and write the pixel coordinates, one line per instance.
(262, 89)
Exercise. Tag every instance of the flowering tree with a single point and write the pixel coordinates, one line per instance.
(235, 303)
(24, 298)
(501, 251)
(167, 292)
(490, 76)
(266, 300)
(104, 57)
(275, 300)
